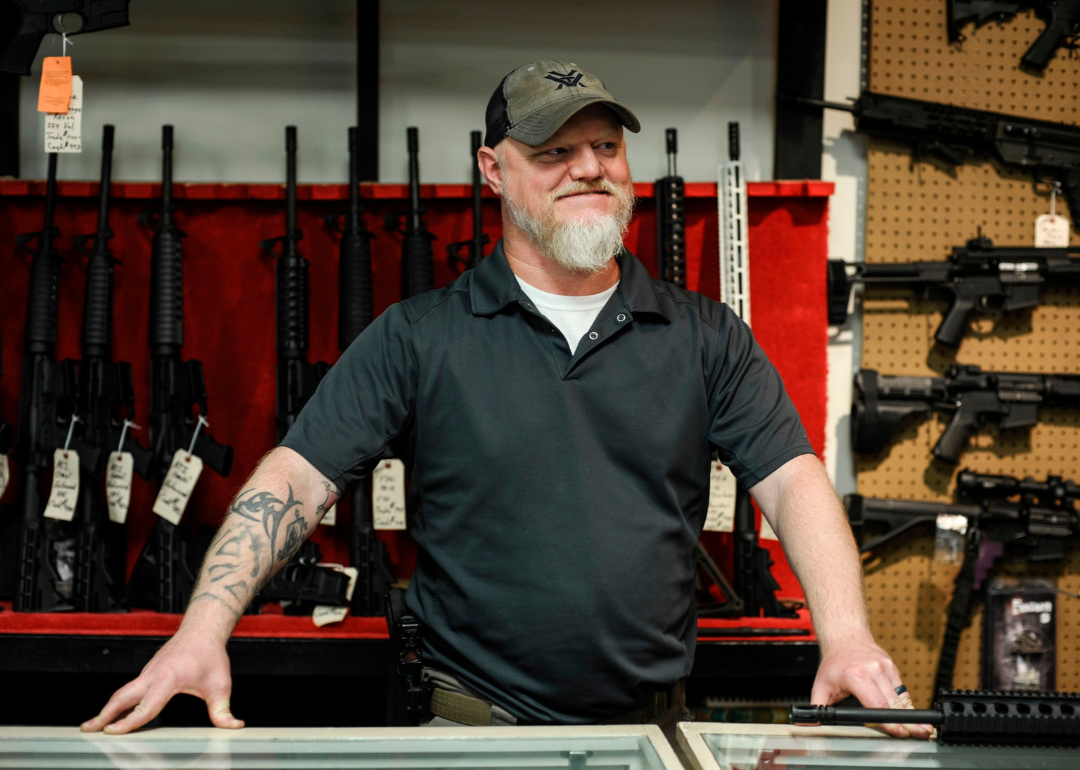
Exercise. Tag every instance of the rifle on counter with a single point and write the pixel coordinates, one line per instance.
(1062, 19)
(48, 411)
(1029, 520)
(106, 399)
(297, 378)
(973, 397)
(165, 572)
(356, 311)
(479, 240)
(417, 261)
(1050, 151)
(967, 717)
(671, 220)
(977, 278)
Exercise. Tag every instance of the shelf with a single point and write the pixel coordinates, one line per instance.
(370, 191)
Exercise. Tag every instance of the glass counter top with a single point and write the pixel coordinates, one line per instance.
(715, 746)
(622, 747)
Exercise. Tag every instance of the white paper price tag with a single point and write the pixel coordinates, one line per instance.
(5, 474)
(721, 512)
(118, 475)
(330, 517)
(175, 492)
(1051, 232)
(325, 614)
(388, 494)
(63, 133)
(65, 486)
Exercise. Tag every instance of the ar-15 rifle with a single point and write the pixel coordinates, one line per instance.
(355, 312)
(671, 219)
(28, 21)
(417, 261)
(297, 379)
(106, 397)
(979, 278)
(47, 408)
(479, 240)
(1050, 151)
(1062, 19)
(302, 585)
(1033, 529)
(972, 396)
(165, 572)
(968, 717)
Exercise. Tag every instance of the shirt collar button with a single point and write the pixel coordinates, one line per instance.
(593, 335)
(621, 318)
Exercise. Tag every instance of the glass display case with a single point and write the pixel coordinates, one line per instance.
(623, 747)
(716, 746)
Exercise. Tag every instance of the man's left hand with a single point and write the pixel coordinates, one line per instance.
(867, 672)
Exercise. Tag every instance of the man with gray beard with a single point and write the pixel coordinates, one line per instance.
(558, 409)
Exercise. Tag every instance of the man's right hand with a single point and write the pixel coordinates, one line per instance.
(191, 663)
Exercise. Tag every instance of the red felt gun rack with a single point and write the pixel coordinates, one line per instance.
(229, 326)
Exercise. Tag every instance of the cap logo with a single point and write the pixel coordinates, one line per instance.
(569, 79)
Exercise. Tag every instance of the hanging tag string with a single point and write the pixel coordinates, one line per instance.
(123, 434)
(1053, 200)
(194, 436)
(71, 429)
(63, 36)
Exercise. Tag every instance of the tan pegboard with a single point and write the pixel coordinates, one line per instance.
(918, 211)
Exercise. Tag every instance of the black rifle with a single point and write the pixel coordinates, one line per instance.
(972, 718)
(671, 220)
(479, 240)
(356, 310)
(106, 399)
(417, 261)
(165, 572)
(1050, 151)
(978, 278)
(48, 404)
(1062, 19)
(302, 585)
(752, 574)
(973, 397)
(1033, 528)
(407, 705)
(297, 379)
(26, 22)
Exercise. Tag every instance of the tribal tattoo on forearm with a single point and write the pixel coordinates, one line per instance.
(259, 531)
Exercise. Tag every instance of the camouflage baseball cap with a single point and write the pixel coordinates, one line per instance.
(533, 101)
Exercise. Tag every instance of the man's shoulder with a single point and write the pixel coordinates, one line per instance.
(682, 303)
(452, 298)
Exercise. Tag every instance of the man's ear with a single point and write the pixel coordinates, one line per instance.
(489, 168)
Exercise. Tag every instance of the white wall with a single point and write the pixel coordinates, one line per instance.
(844, 162)
(231, 74)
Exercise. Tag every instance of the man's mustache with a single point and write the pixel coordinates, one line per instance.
(574, 188)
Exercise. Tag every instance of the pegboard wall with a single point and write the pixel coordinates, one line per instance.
(918, 212)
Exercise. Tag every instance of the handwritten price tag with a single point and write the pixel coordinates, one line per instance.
(175, 492)
(118, 485)
(388, 494)
(63, 132)
(65, 486)
(1051, 232)
(721, 513)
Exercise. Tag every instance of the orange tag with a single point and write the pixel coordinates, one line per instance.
(55, 93)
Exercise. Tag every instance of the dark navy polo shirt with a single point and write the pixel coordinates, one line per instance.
(557, 498)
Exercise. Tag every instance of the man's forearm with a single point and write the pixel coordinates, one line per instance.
(813, 528)
(278, 508)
